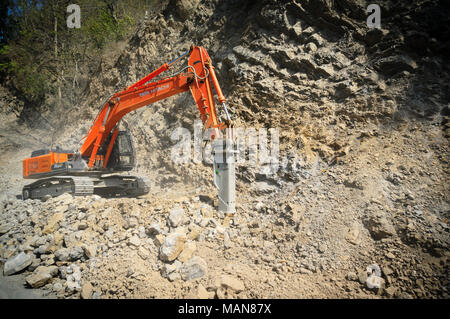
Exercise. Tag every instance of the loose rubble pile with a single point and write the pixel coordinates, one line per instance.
(66, 243)
(358, 207)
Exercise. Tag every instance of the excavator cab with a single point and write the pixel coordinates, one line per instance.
(123, 154)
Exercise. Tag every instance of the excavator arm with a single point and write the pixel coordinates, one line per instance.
(198, 77)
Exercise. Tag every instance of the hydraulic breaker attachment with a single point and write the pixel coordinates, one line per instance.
(224, 174)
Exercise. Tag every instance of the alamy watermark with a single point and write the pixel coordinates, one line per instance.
(374, 19)
(252, 148)
(74, 19)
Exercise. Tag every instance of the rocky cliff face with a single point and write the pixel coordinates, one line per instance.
(362, 116)
(314, 70)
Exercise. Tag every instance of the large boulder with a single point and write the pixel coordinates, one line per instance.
(17, 263)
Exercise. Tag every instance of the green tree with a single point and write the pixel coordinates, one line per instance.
(41, 58)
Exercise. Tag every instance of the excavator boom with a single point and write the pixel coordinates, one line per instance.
(197, 78)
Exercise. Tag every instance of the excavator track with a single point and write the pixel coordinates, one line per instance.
(110, 186)
(55, 186)
(122, 186)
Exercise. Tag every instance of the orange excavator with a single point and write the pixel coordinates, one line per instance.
(107, 150)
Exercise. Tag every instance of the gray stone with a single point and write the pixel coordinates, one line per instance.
(39, 241)
(390, 255)
(48, 259)
(154, 229)
(194, 268)
(96, 295)
(17, 263)
(176, 217)
(96, 197)
(142, 234)
(74, 278)
(395, 64)
(174, 276)
(62, 254)
(90, 250)
(62, 272)
(178, 264)
(83, 226)
(311, 47)
(57, 287)
(86, 291)
(262, 188)
(76, 253)
(132, 222)
(71, 240)
(185, 8)
(322, 248)
(65, 198)
(167, 269)
(110, 234)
